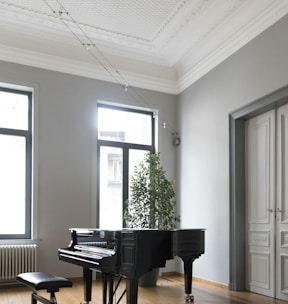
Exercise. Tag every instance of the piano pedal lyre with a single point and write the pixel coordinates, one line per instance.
(189, 298)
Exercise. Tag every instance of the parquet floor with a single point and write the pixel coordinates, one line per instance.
(169, 290)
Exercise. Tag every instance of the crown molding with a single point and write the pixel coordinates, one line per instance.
(272, 13)
(60, 64)
(156, 79)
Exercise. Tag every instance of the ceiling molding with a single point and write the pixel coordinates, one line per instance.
(263, 21)
(195, 37)
(94, 71)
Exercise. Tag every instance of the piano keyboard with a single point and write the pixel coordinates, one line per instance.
(91, 250)
(85, 254)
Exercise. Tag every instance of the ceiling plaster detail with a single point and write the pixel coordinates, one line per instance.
(163, 45)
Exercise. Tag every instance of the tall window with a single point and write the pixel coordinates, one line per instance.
(124, 136)
(15, 163)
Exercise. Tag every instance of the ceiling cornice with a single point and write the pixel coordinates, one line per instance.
(60, 64)
(150, 75)
(267, 18)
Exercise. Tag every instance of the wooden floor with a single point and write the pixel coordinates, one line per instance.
(169, 290)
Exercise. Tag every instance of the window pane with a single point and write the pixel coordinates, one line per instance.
(12, 181)
(110, 203)
(13, 111)
(123, 126)
(135, 157)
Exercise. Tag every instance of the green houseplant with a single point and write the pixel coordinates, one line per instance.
(151, 203)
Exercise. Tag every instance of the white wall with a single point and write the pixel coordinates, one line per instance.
(66, 135)
(203, 158)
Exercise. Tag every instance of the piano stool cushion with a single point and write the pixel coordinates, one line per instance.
(42, 280)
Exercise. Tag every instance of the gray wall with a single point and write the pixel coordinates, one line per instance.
(257, 69)
(65, 139)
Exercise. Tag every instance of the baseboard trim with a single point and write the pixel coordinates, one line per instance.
(176, 274)
(196, 279)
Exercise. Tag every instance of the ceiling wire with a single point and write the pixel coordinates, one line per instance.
(111, 69)
(63, 12)
(91, 44)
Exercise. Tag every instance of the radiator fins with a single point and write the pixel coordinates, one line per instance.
(15, 259)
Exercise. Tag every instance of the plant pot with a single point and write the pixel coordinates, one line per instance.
(149, 279)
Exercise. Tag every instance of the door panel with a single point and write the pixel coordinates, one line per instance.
(281, 210)
(260, 202)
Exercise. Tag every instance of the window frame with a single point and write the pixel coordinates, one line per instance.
(27, 134)
(125, 146)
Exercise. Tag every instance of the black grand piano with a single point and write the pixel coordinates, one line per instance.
(130, 253)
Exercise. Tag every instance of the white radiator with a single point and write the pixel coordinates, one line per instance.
(15, 259)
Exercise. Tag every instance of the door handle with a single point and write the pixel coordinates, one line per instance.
(278, 214)
(270, 210)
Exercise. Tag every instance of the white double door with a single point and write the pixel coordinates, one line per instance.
(266, 145)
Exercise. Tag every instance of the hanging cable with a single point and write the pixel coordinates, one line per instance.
(65, 17)
(91, 45)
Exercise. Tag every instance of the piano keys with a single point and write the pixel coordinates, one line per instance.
(130, 253)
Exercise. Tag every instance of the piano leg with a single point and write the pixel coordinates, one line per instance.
(87, 280)
(131, 291)
(111, 291)
(104, 288)
(188, 270)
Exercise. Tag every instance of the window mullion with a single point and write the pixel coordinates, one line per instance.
(125, 174)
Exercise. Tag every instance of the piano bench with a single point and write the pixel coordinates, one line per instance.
(41, 280)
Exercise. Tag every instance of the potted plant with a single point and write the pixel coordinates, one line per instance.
(151, 203)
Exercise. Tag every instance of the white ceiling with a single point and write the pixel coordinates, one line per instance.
(163, 45)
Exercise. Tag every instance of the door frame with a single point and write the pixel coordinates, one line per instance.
(237, 272)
